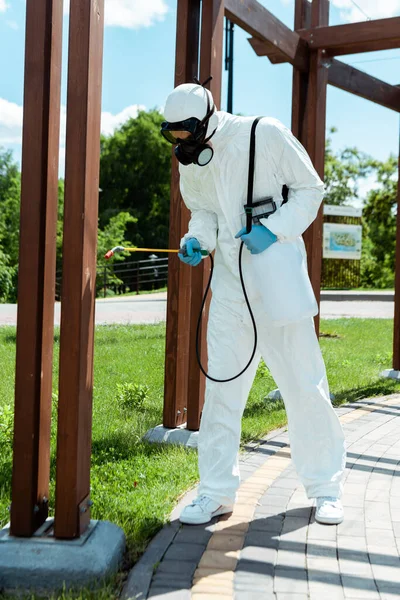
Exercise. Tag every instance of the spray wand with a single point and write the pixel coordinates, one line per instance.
(118, 249)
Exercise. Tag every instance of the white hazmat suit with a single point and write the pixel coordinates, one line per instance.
(215, 195)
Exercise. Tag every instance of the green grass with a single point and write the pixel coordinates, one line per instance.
(135, 484)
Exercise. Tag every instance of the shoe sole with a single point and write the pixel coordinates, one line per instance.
(327, 521)
(221, 511)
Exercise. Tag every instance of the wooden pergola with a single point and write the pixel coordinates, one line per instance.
(310, 48)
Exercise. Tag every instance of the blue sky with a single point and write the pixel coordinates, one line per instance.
(139, 71)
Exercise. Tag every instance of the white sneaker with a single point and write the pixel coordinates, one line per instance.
(202, 510)
(329, 510)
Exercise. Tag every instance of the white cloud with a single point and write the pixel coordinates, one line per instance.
(13, 25)
(11, 116)
(3, 6)
(131, 14)
(372, 8)
(110, 122)
(10, 122)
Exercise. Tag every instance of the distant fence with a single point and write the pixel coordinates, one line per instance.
(124, 277)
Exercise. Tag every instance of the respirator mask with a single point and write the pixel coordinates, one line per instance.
(192, 145)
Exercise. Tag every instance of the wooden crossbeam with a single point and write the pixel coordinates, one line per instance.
(361, 84)
(260, 23)
(342, 76)
(367, 36)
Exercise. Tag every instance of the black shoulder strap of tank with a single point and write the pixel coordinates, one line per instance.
(250, 187)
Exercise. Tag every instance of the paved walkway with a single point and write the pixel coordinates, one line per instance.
(152, 308)
(270, 547)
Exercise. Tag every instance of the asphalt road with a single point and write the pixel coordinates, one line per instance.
(152, 308)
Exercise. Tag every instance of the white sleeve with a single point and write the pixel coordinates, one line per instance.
(294, 169)
(203, 223)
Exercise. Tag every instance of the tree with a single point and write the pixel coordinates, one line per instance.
(379, 215)
(343, 171)
(135, 172)
(10, 189)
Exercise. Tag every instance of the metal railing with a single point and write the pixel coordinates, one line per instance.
(124, 277)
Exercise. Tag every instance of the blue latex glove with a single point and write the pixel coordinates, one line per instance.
(190, 252)
(258, 240)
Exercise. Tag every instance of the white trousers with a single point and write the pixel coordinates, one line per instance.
(293, 356)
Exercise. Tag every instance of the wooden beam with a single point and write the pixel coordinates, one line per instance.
(254, 18)
(367, 36)
(313, 133)
(37, 260)
(396, 329)
(264, 48)
(179, 275)
(342, 76)
(211, 54)
(302, 19)
(72, 513)
(361, 84)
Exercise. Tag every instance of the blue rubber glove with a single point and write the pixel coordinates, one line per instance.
(190, 252)
(258, 240)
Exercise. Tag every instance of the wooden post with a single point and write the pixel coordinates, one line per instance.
(179, 275)
(37, 265)
(396, 332)
(309, 122)
(79, 267)
(212, 31)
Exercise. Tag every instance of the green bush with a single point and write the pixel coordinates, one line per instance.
(6, 427)
(132, 395)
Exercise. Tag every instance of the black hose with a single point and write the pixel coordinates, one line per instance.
(201, 315)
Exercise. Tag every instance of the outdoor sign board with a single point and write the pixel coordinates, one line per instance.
(342, 241)
(342, 211)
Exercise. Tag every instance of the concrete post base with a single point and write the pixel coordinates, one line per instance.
(390, 374)
(179, 435)
(43, 564)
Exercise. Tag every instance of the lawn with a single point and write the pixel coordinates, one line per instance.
(135, 484)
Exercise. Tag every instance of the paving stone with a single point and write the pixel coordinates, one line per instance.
(354, 528)
(291, 524)
(220, 541)
(359, 587)
(291, 559)
(261, 539)
(316, 531)
(380, 537)
(278, 491)
(323, 566)
(291, 580)
(161, 593)
(289, 596)
(219, 559)
(353, 500)
(381, 555)
(171, 580)
(277, 501)
(321, 549)
(184, 552)
(190, 535)
(184, 568)
(295, 510)
(290, 483)
(266, 524)
(263, 558)
(245, 595)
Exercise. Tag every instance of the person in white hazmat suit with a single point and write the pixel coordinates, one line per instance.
(213, 150)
